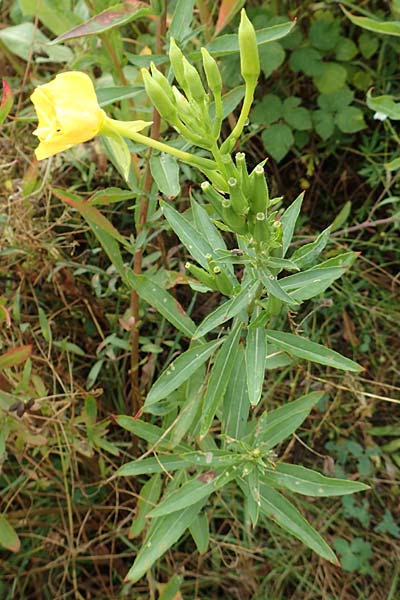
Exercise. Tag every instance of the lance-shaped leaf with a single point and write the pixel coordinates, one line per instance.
(162, 534)
(386, 27)
(274, 427)
(149, 495)
(166, 463)
(219, 378)
(301, 347)
(274, 288)
(195, 243)
(256, 351)
(236, 400)
(229, 44)
(114, 16)
(306, 255)
(167, 306)
(179, 371)
(281, 511)
(228, 309)
(288, 221)
(200, 532)
(310, 483)
(191, 492)
(165, 171)
(110, 196)
(15, 357)
(8, 536)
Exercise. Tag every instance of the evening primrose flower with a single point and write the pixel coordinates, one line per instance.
(69, 114)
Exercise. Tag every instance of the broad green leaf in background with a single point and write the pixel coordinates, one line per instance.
(181, 19)
(332, 77)
(165, 171)
(310, 483)
(281, 511)
(163, 533)
(219, 378)
(386, 27)
(26, 39)
(295, 115)
(289, 219)
(324, 123)
(268, 110)
(56, 15)
(8, 536)
(274, 427)
(109, 95)
(229, 44)
(167, 306)
(278, 139)
(301, 347)
(114, 16)
(179, 371)
(272, 56)
(351, 119)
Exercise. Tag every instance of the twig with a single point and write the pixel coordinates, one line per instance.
(136, 399)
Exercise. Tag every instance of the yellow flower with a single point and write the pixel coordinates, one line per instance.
(68, 113)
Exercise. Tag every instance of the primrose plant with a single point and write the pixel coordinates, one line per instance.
(203, 428)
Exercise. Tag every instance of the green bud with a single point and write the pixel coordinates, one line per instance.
(249, 56)
(202, 275)
(215, 199)
(259, 191)
(237, 223)
(177, 61)
(238, 200)
(162, 82)
(223, 282)
(229, 167)
(194, 83)
(159, 98)
(218, 180)
(242, 171)
(212, 72)
(261, 231)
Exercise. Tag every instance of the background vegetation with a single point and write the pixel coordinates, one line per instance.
(59, 441)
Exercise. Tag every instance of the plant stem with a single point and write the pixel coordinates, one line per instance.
(231, 140)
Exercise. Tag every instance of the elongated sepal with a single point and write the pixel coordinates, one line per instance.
(238, 200)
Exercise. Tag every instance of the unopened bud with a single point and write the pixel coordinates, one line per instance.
(177, 62)
(239, 202)
(249, 56)
(212, 72)
(158, 97)
(194, 83)
(259, 191)
(162, 82)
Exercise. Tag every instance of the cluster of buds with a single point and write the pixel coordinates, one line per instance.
(215, 278)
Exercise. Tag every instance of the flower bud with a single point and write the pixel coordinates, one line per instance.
(212, 72)
(194, 83)
(238, 200)
(159, 98)
(205, 278)
(259, 191)
(177, 61)
(249, 56)
(215, 199)
(235, 222)
(242, 171)
(162, 82)
(224, 284)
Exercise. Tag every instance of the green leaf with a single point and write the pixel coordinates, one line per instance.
(255, 353)
(310, 483)
(272, 56)
(162, 534)
(179, 27)
(309, 284)
(109, 95)
(274, 427)
(229, 44)
(25, 39)
(119, 154)
(289, 219)
(167, 306)
(146, 431)
(386, 27)
(278, 139)
(110, 196)
(305, 255)
(351, 120)
(179, 371)
(332, 78)
(8, 536)
(335, 101)
(324, 33)
(114, 16)
(236, 400)
(228, 309)
(165, 171)
(170, 590)
(301, 347)
(149, 495)
(54, 15)
(324, 123)
(385, 105)
(346, 49)
(194, 242)
(281, 511)
(14, 357)
(165, 463)
(296, 116)
(274, 288)
(308, 60)
(368, 45)
(268, 110)
(189, 493)
(199, 531)
(219, 378)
